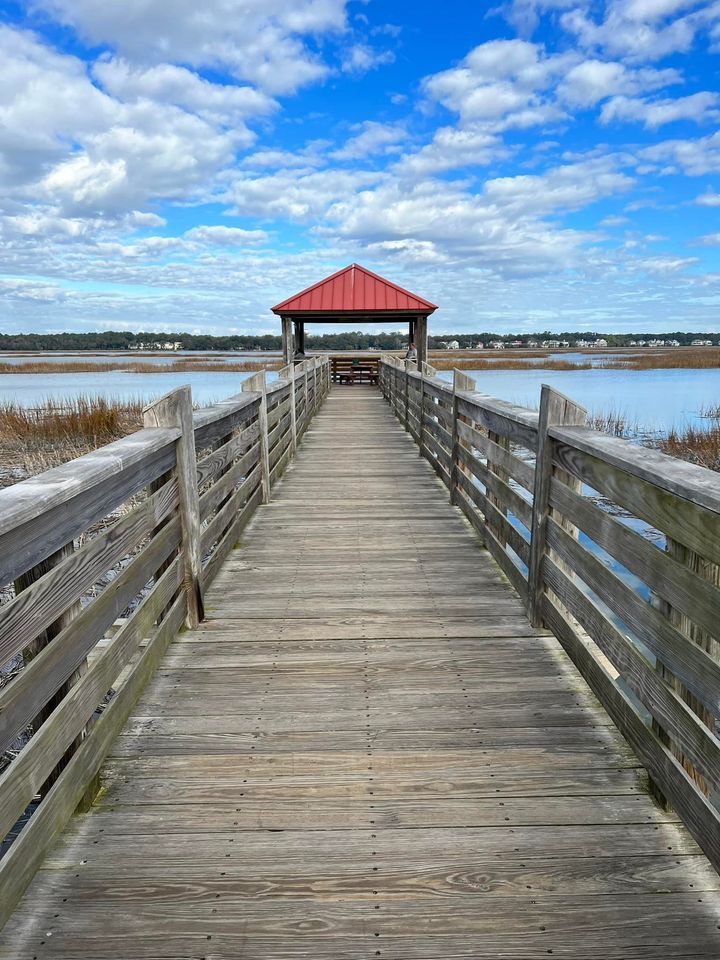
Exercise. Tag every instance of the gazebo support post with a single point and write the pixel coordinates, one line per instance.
(421, 340)
(288, 345)
(299, 337)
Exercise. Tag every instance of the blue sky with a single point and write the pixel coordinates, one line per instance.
(539, 164)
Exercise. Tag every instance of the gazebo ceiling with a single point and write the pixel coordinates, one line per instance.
(354, 291)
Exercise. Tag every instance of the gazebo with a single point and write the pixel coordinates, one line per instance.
(353, 294)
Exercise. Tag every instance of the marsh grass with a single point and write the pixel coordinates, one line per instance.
(477, 363)
(33, 439)
(701, 446)
(215, 365)
(695, 358)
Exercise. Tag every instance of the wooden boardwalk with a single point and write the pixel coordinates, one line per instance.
(366, 751)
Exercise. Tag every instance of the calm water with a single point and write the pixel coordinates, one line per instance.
(31, 389)
(652, 399)
(129, 356)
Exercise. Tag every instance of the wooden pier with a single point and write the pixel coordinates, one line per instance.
(361, 747)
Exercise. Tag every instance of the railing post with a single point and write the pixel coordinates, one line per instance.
(555, 410)
(461, 381)
(175, 410)
(407, 366)
(306, 405)
(288, 373)
(256, 384)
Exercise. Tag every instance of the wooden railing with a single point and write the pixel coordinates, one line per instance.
(103, 559)
(614, 547)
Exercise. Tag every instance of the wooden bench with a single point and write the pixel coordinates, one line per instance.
(354, 369)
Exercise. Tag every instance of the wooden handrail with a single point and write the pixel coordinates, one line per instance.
(644, 629)
(136, 530)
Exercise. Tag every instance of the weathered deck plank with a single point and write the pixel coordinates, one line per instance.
(366, 751)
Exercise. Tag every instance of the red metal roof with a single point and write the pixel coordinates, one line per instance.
(357, 290)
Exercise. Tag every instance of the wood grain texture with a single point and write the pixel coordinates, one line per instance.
(366, 751)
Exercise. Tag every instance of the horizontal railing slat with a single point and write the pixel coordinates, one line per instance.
(516, 468)
(697, 669)
(684, 480)
(41, 604)
(24, 777)
(698, 812)
(669, 579)
(36, 684)
(696, 739)
(43, 514)
(679, 517)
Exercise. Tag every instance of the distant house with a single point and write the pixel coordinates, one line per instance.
(551, 344)
(701, 343)
(452, 345)
(497, 344)
(515, 344)
(479, 345)
(156, 345)
(672, 343)
(532, 343)
(600, 343)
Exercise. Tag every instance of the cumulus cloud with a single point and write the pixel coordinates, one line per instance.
(708, 199)
(361, 57)
(693, 157)
(222, 236)
(697, 107)
(371, 137)
(499, 80)
(591, 81)
(263, 43)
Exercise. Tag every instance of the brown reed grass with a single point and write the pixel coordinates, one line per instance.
(443, 363)
(700, 446)
(175, 366)
(700, 358)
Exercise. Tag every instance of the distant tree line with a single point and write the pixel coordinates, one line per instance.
(348, 340)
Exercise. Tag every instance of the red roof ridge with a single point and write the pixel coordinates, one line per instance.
(332, 295)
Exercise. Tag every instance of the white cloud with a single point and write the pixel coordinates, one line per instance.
(222, 236)
(47, 103)
(371, 138)
(501, 82)
(693, 157)
(614, 221)
(296, 194)
(635, 29)
(709, 240)
(708, 199)
(259, 42)
(360, 58)
(697, 107)
(451, 148)
(591, 81)
(166, 83)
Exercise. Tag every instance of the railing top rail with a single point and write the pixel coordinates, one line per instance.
(208, 415)
(27, 499)
(689, 481)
